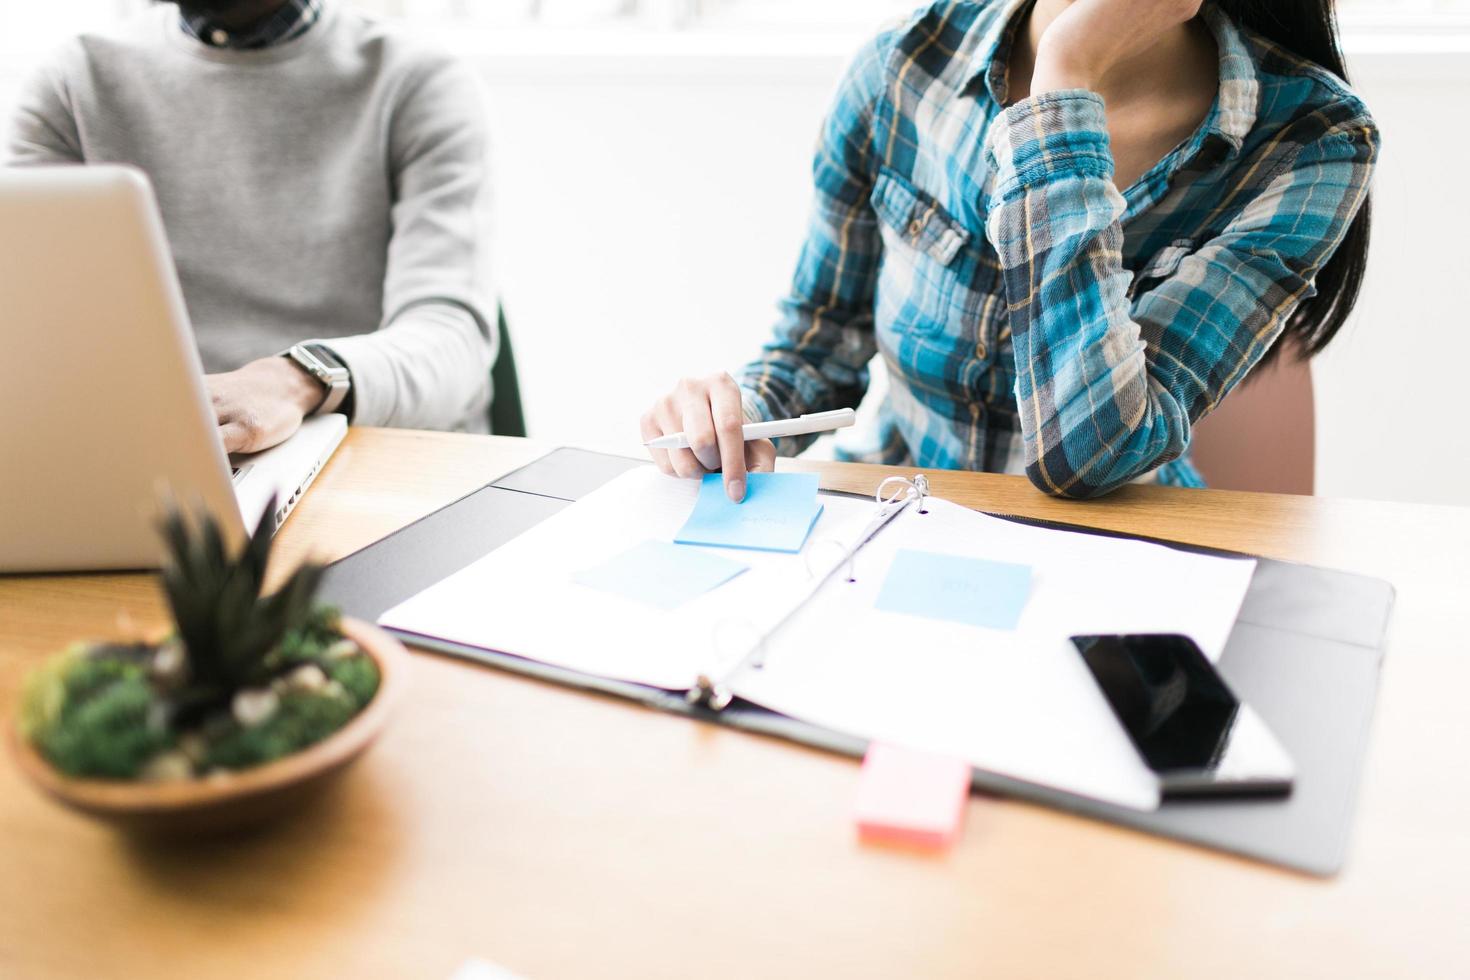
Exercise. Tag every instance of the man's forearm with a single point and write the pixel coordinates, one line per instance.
(429, 368)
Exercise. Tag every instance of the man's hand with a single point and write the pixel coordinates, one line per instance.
(262, 404)
(1090, 37)
(709, 412)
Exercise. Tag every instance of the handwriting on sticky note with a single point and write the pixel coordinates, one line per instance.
(911, 797)
(660, 574)
(984, 593)
(777, 514)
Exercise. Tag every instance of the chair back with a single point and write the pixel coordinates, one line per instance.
(507, 416)
(1263, 435)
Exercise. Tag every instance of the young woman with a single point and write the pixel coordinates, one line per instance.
(1070, 227)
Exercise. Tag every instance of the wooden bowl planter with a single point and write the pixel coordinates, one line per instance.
(239, 799)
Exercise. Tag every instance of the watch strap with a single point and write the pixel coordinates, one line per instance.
(321, 363)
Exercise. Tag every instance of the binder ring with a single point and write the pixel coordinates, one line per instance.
(712, 688)
(916, 488)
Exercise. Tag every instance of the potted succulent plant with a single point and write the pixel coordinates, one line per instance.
(250, 703)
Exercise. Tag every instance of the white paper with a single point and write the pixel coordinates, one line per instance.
(1018, 703)
(521, 598)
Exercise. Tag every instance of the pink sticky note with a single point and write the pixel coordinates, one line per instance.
(911, 797)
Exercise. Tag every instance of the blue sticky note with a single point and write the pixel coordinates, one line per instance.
(777, 513)
(660, 574)
(961, 590)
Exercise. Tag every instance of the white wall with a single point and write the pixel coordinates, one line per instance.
(648, 231)
(652, 200)
(1392, 388)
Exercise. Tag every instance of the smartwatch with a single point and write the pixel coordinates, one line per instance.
(319, 362)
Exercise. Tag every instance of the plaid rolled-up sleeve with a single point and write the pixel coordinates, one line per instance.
(1110, 376)
(817, 358)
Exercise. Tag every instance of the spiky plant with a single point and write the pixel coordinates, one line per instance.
(246, 677)
(227, 627)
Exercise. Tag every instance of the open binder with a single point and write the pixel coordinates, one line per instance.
(713, 687)
(891, 622)
(1296, 621)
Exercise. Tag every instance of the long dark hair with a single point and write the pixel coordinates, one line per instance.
(1308, 29)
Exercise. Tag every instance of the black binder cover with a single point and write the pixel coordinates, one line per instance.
(1305, 652)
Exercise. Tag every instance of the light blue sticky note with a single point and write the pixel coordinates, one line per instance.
(777, 513)
(660, 574)
(960, 590)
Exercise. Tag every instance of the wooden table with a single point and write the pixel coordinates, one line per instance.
(567, 835)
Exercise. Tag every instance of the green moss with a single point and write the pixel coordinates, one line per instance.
(303, 718)
(358, 675)
(93, 674)
(97, 711)
(308, 642)
(103, 723)
(44, 693)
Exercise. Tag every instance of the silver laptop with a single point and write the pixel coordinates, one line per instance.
(103, 407)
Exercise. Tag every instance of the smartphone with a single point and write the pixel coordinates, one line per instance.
(1182, 717)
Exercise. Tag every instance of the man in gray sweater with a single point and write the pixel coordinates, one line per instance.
(322, 179)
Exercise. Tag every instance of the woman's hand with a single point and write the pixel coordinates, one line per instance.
(1090, 37)
(709, 412)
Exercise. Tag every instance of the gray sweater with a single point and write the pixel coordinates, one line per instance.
(332, 187)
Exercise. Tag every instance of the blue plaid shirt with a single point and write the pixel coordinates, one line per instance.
(291, 21)
(1031, 317)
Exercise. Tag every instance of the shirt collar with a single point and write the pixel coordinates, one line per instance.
(1234, 111)
(291, 21)
(991, 60)
(1236, 104)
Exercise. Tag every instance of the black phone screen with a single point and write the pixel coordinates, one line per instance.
(1172, 703)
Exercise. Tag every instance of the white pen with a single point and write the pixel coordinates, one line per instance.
(799, 426)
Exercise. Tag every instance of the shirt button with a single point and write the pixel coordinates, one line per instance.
(218, 38)
(980, 349)
(915, 227)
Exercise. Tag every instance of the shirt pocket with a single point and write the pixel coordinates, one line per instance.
(1163, 264)
(925, 254)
